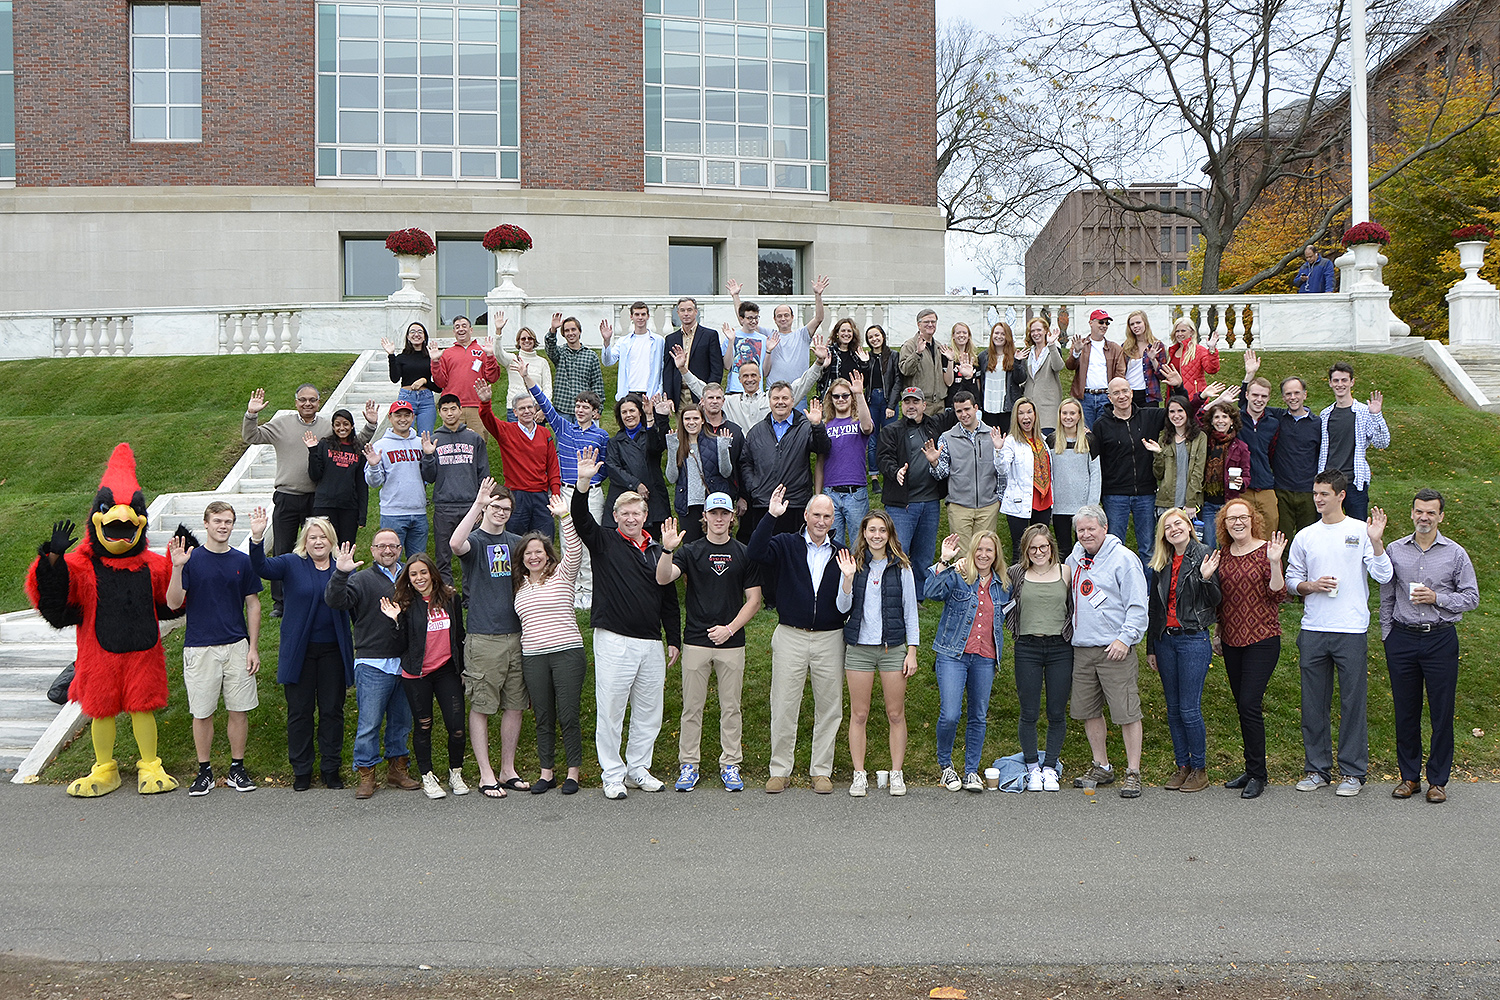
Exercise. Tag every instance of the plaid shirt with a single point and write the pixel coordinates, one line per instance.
(575, 371)
(1369, 431)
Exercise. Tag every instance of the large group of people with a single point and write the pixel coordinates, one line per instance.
(725, 482)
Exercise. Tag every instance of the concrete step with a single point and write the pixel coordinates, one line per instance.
(22, 734)
(28, 626)
(16, 705)
(24, 664)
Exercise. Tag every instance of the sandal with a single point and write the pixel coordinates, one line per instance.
(542, 785)
(492, 791)
(570, 786)
(516, 784)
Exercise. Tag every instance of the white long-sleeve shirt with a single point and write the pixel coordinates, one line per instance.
(1343, 551)
(639, 356)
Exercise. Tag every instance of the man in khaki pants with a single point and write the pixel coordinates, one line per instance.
(723, 594)
(967, 459)
(811, 607)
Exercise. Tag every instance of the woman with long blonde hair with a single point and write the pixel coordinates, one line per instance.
(1144, 358)
(1026, 458)
(1076, 479)
(968, 644)
(964, 363)
(882, 634)
(1189, 364)
(1040, 365)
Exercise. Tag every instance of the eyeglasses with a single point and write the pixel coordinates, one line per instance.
(1237, 519)
(386, 545)
(307, 399)
(840, 395)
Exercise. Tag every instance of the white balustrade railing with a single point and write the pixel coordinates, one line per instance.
(91, 336)
(1271, 322)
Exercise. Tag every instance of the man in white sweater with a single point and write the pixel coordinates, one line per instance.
(1330, 564)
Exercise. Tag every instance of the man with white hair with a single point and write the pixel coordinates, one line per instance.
(631, 611)
(1109, 600)
(809, 639)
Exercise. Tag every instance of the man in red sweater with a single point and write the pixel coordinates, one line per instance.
(529, 461)
(463, 366)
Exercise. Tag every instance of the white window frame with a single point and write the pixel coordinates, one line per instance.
(171, 73)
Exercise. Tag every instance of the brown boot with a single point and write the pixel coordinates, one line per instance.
(396, 775)
(1175, 781)
(1197, 780)
(366, 782)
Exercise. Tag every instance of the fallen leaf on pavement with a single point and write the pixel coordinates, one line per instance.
(949, 993)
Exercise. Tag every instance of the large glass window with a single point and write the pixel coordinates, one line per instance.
(466, 273)
(419, 91)
(692, 268)
(370, 270)
(736, 94)
(7, 95)
(780, 270)
(166, 72)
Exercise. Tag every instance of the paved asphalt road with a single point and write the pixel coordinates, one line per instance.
(717, 879)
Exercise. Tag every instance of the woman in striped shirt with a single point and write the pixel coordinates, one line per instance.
(552, 658)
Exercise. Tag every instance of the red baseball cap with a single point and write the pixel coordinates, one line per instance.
(401, 404)
(1100, 314)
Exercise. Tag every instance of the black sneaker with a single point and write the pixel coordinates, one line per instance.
(203, 784)
(239, 779)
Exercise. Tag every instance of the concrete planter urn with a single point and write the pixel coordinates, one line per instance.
(507, 265)
(1366, 260)
(1471, 257)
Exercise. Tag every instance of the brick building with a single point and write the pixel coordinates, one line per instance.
(1090, 246)
(244, 151)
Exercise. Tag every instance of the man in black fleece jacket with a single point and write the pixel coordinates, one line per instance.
(377, 662)
(631, 610)
(776, 453)
(812, 607)
(1126, 466)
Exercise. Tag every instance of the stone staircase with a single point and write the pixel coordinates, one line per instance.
(1482, 364)
(32, 652)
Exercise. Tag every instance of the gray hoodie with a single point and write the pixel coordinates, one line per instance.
(399, 474)
(461, 461)
(1115, 572)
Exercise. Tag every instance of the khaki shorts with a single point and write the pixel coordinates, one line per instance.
(208, 671)
(1097, 680)
(492, 674)
(869, 659)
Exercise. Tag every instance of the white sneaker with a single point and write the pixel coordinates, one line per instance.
(1312, 782)
(614, 791)
(973, 783)
(950, 780)
(1348, 787)
(645, 781)
(433, 787)
(860, 786)
(456, 781)
(1033, 778)
(1049, 780)
(898, 783)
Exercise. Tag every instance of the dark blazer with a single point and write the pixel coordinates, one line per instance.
(706, 361)
(631, 462)
(785, 559)
(303, 587)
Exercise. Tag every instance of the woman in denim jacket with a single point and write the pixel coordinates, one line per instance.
(968, 646)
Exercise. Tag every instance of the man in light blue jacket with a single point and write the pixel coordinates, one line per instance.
(1109, 618)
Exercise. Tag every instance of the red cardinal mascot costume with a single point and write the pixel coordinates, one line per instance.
(115, 590)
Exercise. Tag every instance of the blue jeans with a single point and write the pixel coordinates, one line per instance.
(1093, 406)
(1208, 515)
(422, 402)
(848, 510)
(529, 513)
(1183, 662)
(380, 699)
(957, 675)
(916, 530)
(1120, 509)
(410, 528)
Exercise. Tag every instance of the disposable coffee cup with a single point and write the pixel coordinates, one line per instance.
(1411, 588)
(882, 779)
(992, 778)
(1335, 591)
(1234, 477)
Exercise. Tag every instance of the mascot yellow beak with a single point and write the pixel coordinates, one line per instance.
(119, 529)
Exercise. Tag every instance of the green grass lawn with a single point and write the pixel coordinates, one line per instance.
(1437, 442)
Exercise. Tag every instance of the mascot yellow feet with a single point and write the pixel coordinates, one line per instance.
(102, 780)
(151, 777)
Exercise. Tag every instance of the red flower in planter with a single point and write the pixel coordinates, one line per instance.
(1366, 232)
(1477, 231)
(507, 237)
(410, 242)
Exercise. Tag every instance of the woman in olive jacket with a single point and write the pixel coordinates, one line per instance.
(1184, 603)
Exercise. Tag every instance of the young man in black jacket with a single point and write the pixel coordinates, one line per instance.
(907, 452)
(1126, 466)
(631, 611)
(809, 640)
(377, 664)
(776, 454)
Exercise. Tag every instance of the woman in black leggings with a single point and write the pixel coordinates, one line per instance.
(429, 625)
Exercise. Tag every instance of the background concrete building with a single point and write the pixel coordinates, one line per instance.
(253, 151)
(1091, 247)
